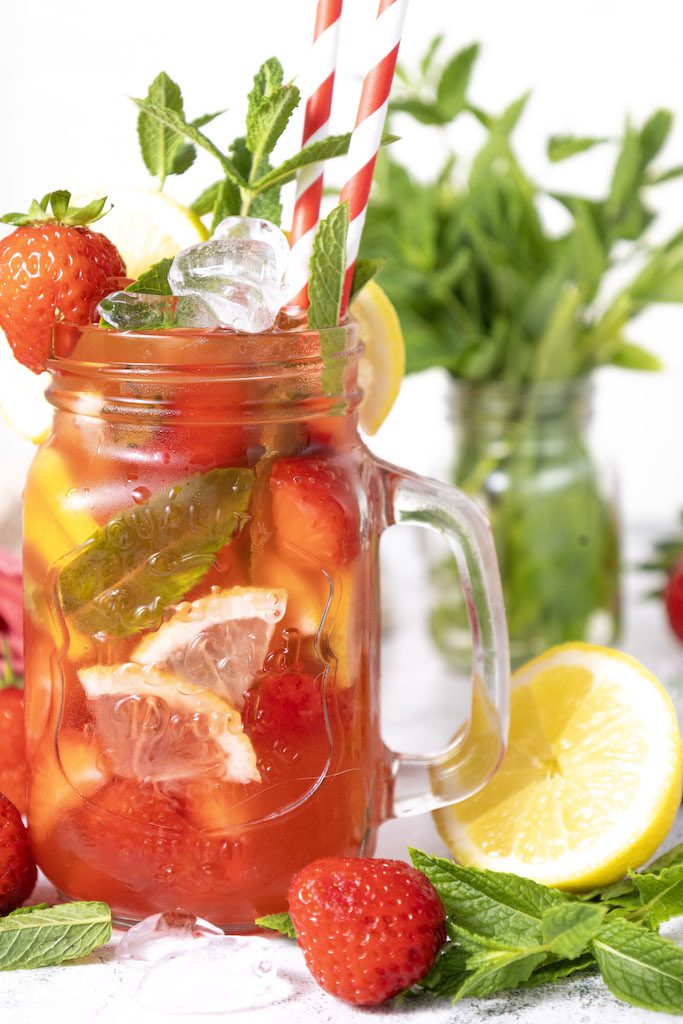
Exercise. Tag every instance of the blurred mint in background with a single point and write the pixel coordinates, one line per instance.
(519, 316)
(483, 288)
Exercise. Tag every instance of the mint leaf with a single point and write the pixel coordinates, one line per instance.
(154, 281)
(147, 557)
(455, 78)
(561, 147)
(667, 860)
(505, 907)
(632, 357)
(227, 203)
(497, 970)
(324, 149)
(278, 923)
(43, 936)
(163, 148)
(364, 271)
(206, 200)
(661, 894)
(267, 81)
(639, 966)
(172, 119)
(267, 121)
(328, 269)
(568, 928)
(556, 970)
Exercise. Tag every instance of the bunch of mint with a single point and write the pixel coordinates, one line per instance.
(507, 932)
(483, 287)
(249, 186)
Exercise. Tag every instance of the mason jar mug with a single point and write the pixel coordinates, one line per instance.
(202, 622)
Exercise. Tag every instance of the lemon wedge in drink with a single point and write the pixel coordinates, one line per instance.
(23, 405)
(159, 727)
(220, 641)
(383, 364)
(147, 226)
(591, 782)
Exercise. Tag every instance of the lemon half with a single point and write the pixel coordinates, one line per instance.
(591, 781)
(146, 226)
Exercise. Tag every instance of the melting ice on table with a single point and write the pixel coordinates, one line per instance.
(234, 280)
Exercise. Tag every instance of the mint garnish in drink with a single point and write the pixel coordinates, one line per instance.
(120, 580)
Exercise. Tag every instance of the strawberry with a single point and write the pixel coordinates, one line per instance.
(17, 867)
(52, 267)
(283, 705)
(315, 508)
(368, 928)
(12, 746)
(673, 599)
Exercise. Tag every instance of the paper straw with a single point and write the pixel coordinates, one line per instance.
(319, 89)
(367, 134)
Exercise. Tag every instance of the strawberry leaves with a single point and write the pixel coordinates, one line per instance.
(56, 208)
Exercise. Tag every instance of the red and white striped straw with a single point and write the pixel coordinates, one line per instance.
(367, 134)
(319, 89)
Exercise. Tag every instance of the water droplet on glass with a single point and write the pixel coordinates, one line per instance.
(140, 495)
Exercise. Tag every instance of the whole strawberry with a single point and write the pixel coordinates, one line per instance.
(673, 598)
(12, 745)
(52, 267)
(17, 867)
(368, 928)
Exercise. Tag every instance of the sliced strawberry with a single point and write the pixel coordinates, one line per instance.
(315, 508)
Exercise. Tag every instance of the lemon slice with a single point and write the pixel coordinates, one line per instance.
(383, 364)
(591, 781)
(147, 226)
(23, 404)
(163, 728)
(219, 642)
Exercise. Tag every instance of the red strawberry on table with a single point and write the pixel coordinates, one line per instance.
(17, 867)
(368, 928)
(52, 267)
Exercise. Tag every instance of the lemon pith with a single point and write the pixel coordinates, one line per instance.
(591, 781)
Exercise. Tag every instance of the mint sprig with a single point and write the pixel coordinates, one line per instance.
(328, 268)
(43, 936)
(506, 932)
(250, 185)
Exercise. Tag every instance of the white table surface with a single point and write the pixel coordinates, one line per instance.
(102, 989)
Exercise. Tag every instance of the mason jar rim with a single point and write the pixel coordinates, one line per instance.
(93, 350)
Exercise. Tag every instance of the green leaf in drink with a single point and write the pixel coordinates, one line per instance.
(328, 269)
(120, 580)
(43, 936)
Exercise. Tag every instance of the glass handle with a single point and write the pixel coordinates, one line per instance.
(423, 782)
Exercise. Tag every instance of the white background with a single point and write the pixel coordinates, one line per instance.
(66, 69)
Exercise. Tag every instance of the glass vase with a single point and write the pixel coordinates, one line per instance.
(524, 454)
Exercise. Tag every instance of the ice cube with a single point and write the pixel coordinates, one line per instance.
(257, 230)
(246, 307)
(221, 975)
(236, 278)
(132, 311)
(162, 934)
(193, 311)
(209, 265)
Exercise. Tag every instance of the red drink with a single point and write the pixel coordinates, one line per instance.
(202, 626)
